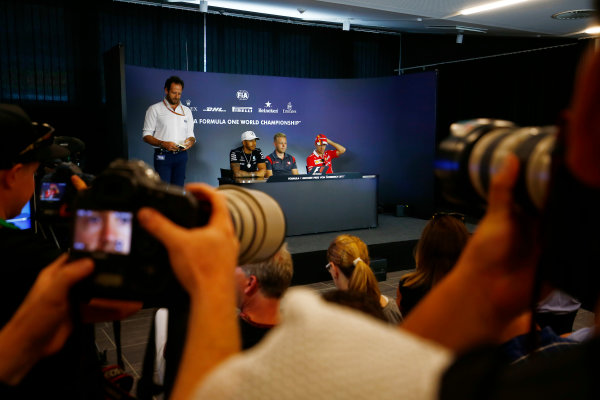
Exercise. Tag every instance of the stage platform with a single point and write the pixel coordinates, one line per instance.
(393, 240)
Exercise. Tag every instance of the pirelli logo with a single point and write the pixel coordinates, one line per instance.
(241, 109)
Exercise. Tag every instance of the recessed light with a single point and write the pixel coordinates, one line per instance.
(489, 6)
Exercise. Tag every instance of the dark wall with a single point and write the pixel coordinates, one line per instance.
(529, 84)
(51, 61)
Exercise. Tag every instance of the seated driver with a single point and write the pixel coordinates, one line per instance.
(319, 162)
(247, 160)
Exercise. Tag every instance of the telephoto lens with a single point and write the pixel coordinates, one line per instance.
(475, 151)
(258, 220)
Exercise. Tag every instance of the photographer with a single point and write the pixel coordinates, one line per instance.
(494, 278)
(25, 146)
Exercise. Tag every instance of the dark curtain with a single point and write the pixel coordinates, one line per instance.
(36, 59)
(154, 36)
(245, 46)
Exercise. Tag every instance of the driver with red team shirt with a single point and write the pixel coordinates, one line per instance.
(319, 162)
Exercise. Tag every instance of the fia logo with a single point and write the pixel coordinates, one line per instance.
(242, 95)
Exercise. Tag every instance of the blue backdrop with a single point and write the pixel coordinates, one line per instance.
(386, 124)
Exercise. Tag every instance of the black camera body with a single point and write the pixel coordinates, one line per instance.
(129, 262)
(56, 190)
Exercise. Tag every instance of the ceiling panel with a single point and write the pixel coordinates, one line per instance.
(532, 18)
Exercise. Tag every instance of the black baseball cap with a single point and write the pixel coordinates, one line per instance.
(24, 141)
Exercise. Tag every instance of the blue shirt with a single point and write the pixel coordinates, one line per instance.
(279, 166)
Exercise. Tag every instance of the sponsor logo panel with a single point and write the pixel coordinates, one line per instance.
(213, 109)
(241, 109)
(289, 109)
(268, 109)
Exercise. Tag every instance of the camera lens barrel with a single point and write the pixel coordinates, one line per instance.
(452, 161)
(476, 150)
(258, 220)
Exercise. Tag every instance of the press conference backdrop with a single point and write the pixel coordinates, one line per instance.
(386, 124)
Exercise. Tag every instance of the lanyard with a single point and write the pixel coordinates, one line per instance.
(173, 111)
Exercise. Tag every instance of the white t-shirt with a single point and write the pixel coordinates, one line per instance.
(167, 124)
(326, 351)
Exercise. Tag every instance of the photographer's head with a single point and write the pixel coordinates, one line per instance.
(271, 277)
(571, 208)
(583, 122)
(25, 145)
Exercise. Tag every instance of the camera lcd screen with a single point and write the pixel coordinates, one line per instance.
(52, 191)
(106, 231)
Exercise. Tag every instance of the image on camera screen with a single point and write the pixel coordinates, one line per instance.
(106, 231)
(52, 191)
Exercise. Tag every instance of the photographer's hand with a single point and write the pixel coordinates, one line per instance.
(492, 281)
(204, 260)
(78, 183)
(42, 323)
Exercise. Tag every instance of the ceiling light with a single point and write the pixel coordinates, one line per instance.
(458, 28)
(593, 30)
(489, 6)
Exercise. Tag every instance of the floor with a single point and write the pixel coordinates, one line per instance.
(134, 330)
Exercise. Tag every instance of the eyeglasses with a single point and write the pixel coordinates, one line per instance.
(328, 267)
(456, 215)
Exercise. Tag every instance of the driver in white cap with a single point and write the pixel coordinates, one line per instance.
(248, 160)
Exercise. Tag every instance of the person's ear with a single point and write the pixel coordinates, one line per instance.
(252, 285)
(9, 177)
(335, 271)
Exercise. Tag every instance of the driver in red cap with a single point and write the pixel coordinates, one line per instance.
(319, 162)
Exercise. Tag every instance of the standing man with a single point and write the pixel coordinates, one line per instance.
(169, 127)
(247, 160)
(278, 162)
(319, 162)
